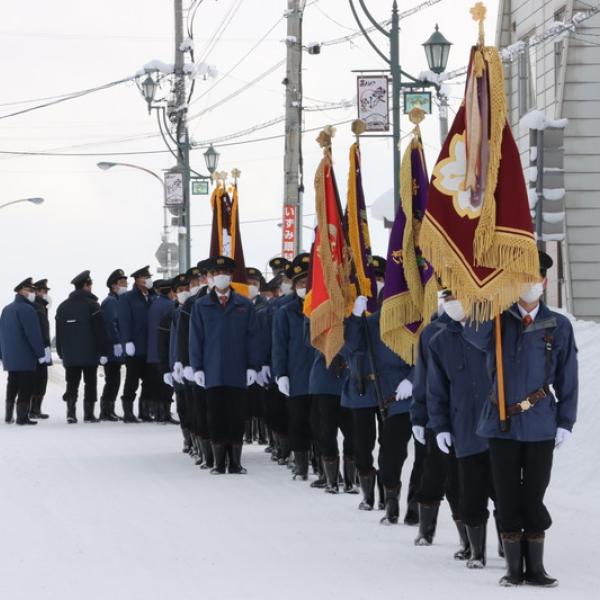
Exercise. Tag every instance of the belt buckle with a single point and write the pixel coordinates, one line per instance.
(525, 404)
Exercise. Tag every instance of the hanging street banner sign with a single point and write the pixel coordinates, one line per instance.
(373, 104)
(173, 188)
(199, 187)
(288, 232)
(420, 100)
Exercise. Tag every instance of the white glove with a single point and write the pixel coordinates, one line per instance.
(168, 379)
(118, 350)
(188, 373)
(199, 378)
(178, 377)
(103, 360)
(419, 433)
(178, 370)
(42, 360)
(283, 383)
(562, 436)
(404, 390)
(48, 356)
(266, 374)
(360, 305)
(130, 349)
(251, 377)
(444, 441)
(260, 380)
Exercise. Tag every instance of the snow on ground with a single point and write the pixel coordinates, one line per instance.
(114, 511)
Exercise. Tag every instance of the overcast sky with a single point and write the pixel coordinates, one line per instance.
(104, 220)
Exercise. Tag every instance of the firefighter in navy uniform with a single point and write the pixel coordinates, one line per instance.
(81, 343)
(541, 390)
(133, 328)
(42, 300)
(21, 350)
(117, 286)
(225, 357)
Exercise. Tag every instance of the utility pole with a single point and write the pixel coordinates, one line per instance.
(293, 186)
(182, 136)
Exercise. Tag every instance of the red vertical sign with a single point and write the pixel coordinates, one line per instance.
(289, 232)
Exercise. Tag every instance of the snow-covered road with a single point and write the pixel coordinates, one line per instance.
(114, 511)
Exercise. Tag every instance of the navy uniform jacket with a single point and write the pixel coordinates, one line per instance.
(418, 406)
(133, 319)
(41, 308)
(290, 355)
(327, 381)
(261, 308)
(267, 321)
(110, 313)
(458, 385)
(21, 342)
(525, 353)
(163, 345)
(173, 335)
(80, 330)
(160, 306)
(390, 368)
(182, 339)
(223, 341)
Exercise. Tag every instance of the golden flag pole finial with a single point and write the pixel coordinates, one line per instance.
(236, 173)
(358, 128)
(478, 12)
(324, 140)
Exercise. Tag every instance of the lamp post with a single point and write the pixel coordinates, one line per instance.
(392, 59)
(35, 201)
(211, 157)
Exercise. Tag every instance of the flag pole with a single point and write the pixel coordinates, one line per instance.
(504, 422)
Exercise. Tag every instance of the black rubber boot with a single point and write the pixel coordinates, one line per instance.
(35, 410)
(392, 507)
(301, 468)
(248, 432)
(381, 495)
(23, 415)
(167, 416)
(235, 460)
(10, 410)
(128, 416)
(284, 451)
(535, 574)
(144, 411)
(104, 411)
(428, 514)
(111, 411)
(274, 447)
(500, 546)
(320, 482)
(207, 452)
(349, 467)
(412, 514)
(367, 485)
(219, 451)
(464, 552)
(88, 413)
(187, 440)
(262, 432)
(71, 411)
(199, 451)
(477, 540)
(513, 554)
(331, 467)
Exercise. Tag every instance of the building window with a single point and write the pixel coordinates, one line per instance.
(559, 47)
(527, 79)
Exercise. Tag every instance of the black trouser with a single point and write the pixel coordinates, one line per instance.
(475, 488)
(300, 426)
(417, 471)
(226, 409)
(112, 381)
(18, 389)
(440, 476)
(40, 381)
(160, 391)
(182, 408)
(278, 410)
(394, 434)
(199, 412)
(137, 370)
(73, 377)
(331, 417)
(255, 402)
(521, 473)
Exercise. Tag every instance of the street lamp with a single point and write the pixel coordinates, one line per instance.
(35, 201)
(211, 156)
(148, 88)
(437, 50)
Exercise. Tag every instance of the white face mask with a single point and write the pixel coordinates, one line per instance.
(222, 281)
(122, 289)
(531, 292)
(149, 283)
(380, 285)
(286, 288)
(31, 297)
(301, 292)
(252, 291)
(182, 297)
(194, 290)
(454, 310)
(47, 298)
(210, 282)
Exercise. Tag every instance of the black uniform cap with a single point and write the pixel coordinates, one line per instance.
(82, 279)
(279, 264)
(115, 276)
(378, 265)
(41, 284)
(220, 262)
(202, 266)
(180, 280)
(252, 273)
(26, 283)
(143, 272)
(162, 285)
(299, 267)
(274, 284)
(193, 273)
(546, 263)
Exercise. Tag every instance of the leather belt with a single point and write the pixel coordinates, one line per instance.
(528, 403)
